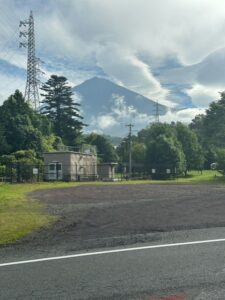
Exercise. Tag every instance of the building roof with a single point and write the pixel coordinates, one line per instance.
(68, 152)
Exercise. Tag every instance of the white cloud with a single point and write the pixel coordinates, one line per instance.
(8, 85)
(185, 115)
(122, 114)
(103, 121)
(112, 34)
(202, 96)
(191, 28)
(15, 57)
(126, 68)
(209, 72)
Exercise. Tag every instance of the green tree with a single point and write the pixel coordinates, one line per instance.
(58, 105)
(214, 123)
(155, 130)
(220, 160)
(138, 151)
(21, 127)
(210, 156)
(197, 126)
(191, 147)
(4, 146)
(105, 150)
(20, 164)
(123, 149)
(165, 152)
(28, 157)
(210, 127)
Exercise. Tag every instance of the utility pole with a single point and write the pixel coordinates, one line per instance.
(130, 148)
(28, 41)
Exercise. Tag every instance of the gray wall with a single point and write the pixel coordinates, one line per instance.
(73, 164)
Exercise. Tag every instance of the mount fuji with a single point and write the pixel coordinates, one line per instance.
(107, 107)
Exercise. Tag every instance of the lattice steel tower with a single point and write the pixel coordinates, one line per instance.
(28, 41)
(157, 111)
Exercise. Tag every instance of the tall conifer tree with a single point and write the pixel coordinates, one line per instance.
(62, 110)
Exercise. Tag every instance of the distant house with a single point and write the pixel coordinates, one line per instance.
(70, 165)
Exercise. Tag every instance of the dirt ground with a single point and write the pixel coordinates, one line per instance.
(107, 215)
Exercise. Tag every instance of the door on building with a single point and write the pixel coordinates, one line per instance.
(55, 171)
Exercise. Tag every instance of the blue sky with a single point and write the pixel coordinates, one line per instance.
(172, 51)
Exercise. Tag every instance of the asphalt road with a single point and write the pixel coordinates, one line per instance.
(123, 218)
(180, 272)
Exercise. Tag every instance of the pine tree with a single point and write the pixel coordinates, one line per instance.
(58, 105)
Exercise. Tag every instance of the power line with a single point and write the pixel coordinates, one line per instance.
(8, 51)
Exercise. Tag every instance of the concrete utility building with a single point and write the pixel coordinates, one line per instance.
(70, 165)
(106, 170)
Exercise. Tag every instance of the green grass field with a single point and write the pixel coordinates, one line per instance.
(20, 216)
(194, 177)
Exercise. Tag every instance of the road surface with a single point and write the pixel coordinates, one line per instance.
(186, 271)
(188, 263)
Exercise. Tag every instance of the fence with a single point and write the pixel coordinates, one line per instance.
(146, 171)
(20, 172)
(138, 171)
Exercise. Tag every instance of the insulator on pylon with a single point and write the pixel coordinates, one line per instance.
(23, 23)
(22, 45)
(23, 33)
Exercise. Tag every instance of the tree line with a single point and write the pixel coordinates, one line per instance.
(185, 147)
(165, 146)
(25, 134)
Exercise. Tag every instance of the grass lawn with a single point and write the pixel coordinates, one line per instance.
(19, 216)
(194, 177)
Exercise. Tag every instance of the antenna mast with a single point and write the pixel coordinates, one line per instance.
(31, 91)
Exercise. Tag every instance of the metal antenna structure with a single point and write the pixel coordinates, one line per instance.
(28, 41)
(130, 149)
(157, 111)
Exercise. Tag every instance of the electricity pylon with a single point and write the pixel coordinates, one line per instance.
(28, 41)
(157, 109)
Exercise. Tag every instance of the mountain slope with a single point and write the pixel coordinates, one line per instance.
(97, 94)
(104, 104)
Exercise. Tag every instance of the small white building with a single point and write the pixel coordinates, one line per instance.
(70, 166)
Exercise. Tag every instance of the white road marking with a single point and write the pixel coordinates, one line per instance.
(110, 251)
